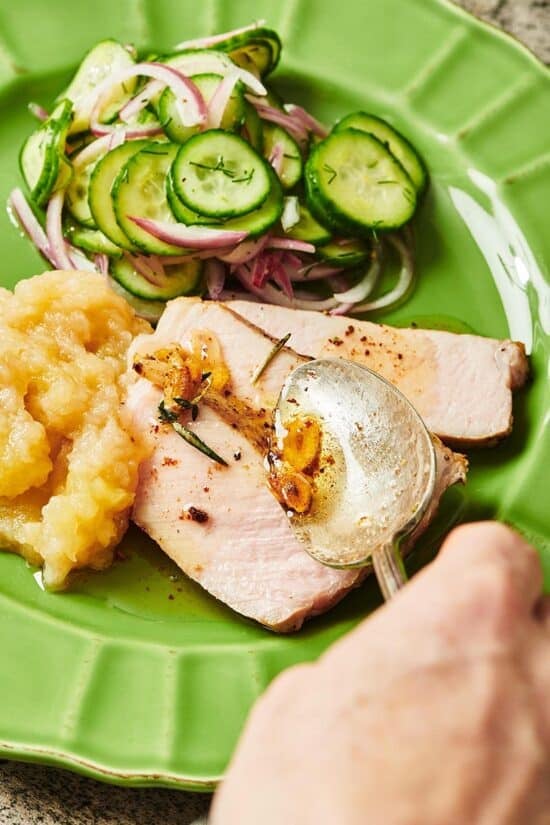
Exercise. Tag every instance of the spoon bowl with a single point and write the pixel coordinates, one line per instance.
(376, 471)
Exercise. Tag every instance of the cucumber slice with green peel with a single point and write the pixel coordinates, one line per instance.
(140, 191)
(148, 310)
(42, 153)
(101, 184)
(345, 254)
(398, 145)
(218, 174)
(76, 199)
(255, 223)
(308, 229)
(180, 279)
(257, 50)
(207, 84)
(354, 178)
(91, 240)
(182, 213)
(291, 166)
(64, 176)
(262, 219)
(252, 129)
(106, 58)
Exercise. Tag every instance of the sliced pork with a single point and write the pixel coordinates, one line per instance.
(222, 525)
(460, 384)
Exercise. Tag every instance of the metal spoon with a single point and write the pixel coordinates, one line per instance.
(378, 467)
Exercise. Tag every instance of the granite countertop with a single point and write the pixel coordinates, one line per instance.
(35, 795)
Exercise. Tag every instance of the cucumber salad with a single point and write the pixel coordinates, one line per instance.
(186, 174)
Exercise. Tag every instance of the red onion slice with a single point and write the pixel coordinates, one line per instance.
(212, 40)
(404, 281)
(25, 218)
(194, 237)
(92, 151)
(38, 111)
(245, 251)
(220, 99)
(297, 130)
(215, 278)
(291, 244)
(276, 158)
(183, 88)
(270, 295)
(56, 241)
(102, 263)
(306, 120)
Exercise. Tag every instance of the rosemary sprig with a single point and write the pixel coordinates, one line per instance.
(269, 358)
(188, 405)
(170, 417)
(196, 442)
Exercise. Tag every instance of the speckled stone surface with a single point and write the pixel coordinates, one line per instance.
(33, 795)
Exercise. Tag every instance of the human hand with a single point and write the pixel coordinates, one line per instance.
(434, 711)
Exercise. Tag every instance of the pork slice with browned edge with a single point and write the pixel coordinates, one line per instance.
(222, 525)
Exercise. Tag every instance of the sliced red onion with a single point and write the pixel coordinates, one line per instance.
(291, 212)
(276, 158)
(244, 252)
(283, 119)
(306, 120)
(291, 244)
(24, 217)
(314, 272)
(212, 40)
(56, 241)
(205, 254)
(365, 286)
(79, 260)
(281, 277)
(102, 263)
(342, 309)
(404, 281)
(195, 237)
(92, 151)
(191, 64)
(215, 274)
(38, 111)
(136, 104)
(220, 99)
(142, 265)
(117, 139)
(183, 88)
(270, 295)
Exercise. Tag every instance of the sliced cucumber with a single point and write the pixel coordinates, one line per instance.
(43, 151)
(308, 229)
(352, 176)
(252, 128)
(255, 223)
(291, 166)
(262, 219)
(181, 279)
(257, 50)
(91, 240)
(219, 175)
(398, 145)
(207, 84)
(103, 60)
(181, 212)
(101, 184)
(64, 176)
(148, 310)
(346, 254)
(78, 190)
(140, 191)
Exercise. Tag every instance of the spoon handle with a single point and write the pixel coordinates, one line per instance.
(389, 568)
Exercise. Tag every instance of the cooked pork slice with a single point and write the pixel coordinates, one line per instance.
(222, 525)
(460, 384)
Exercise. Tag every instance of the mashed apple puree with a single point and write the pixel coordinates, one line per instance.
(68, 462)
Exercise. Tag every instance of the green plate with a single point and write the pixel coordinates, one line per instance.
(138, 677)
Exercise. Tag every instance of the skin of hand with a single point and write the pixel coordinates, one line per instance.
(434, 711)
